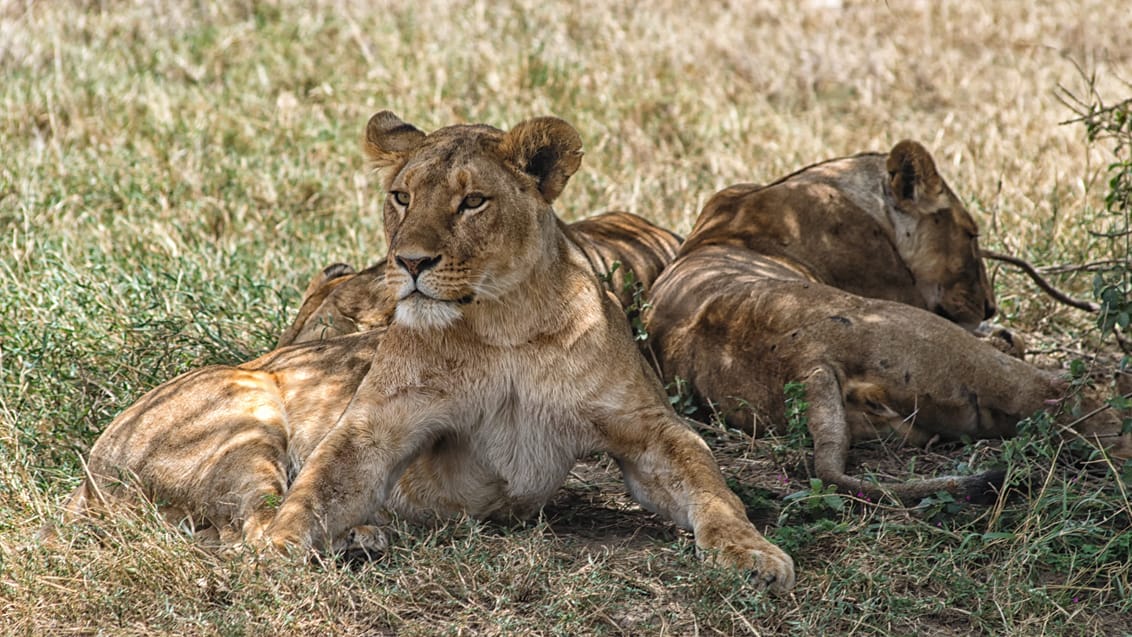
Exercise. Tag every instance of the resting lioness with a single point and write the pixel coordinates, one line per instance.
(626, 251)
(504, 363)
(759, 295)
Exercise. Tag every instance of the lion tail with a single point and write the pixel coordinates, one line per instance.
(980, 488)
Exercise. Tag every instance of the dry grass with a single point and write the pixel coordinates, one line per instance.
(172, 175)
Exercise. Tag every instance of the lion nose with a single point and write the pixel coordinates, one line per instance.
(415, 265)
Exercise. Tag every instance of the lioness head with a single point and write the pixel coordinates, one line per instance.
(937, 238)
(467, 210)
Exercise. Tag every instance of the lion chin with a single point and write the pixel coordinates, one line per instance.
(417, 311)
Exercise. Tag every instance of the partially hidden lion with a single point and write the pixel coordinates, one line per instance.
(626, 251)
(856, 276)
(504, 362)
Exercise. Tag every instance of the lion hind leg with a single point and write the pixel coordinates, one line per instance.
(830, 428)
(254, 494)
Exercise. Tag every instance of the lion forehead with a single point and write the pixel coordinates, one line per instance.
(454, 166)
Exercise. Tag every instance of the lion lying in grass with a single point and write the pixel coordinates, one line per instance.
(824, 277)
(505, 361)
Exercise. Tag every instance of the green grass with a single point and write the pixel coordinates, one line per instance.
(171, 178)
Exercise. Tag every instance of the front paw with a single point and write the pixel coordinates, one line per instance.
(284, 541)
(1003, 339)
(744, 548)
(362, 543)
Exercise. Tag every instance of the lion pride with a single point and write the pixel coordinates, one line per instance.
(824, 277)
(504, 362)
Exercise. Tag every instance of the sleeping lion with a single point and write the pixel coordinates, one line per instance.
(859, 277)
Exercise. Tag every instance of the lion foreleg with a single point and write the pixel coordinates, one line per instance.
(347, 480)
(670, 470)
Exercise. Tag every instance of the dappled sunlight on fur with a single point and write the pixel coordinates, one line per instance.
(821, 278)
(479, 412)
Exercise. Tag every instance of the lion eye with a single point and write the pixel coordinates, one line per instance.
(472, 202)
(401, 197)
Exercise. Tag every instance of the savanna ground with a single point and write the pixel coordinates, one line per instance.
(173, 173)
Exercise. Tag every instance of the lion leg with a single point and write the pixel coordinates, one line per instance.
(209, 448)
(347, 480)
(243, 489)
(669, 469)
(1002, 339)
(832, 436)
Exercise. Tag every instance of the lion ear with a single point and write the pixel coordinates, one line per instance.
(546, 148)
(912, 173)
(388, 139)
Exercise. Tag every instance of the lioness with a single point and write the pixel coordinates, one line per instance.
(623, 249)
(771, 287)
(505, 361)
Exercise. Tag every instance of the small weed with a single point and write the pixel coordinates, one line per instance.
(636, 290)
(819, 499)
(940, 506)
(680, 397)
(797, 422)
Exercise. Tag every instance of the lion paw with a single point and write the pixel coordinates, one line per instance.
(1003, 339)
(769, 566)
(363, 542)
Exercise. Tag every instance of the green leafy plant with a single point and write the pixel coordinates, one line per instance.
(797, 420)
(636, 289)
(939, 506)
(818, 498)
(1112, 283)
(680, 397)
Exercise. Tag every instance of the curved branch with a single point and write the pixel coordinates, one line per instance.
(1091, 266)
(1058, 295)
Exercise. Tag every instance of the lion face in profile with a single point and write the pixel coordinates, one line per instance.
(881, 225)
(937, 238)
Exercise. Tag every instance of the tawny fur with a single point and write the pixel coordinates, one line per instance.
(504, 362)
(823, 277)
(623, 249)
